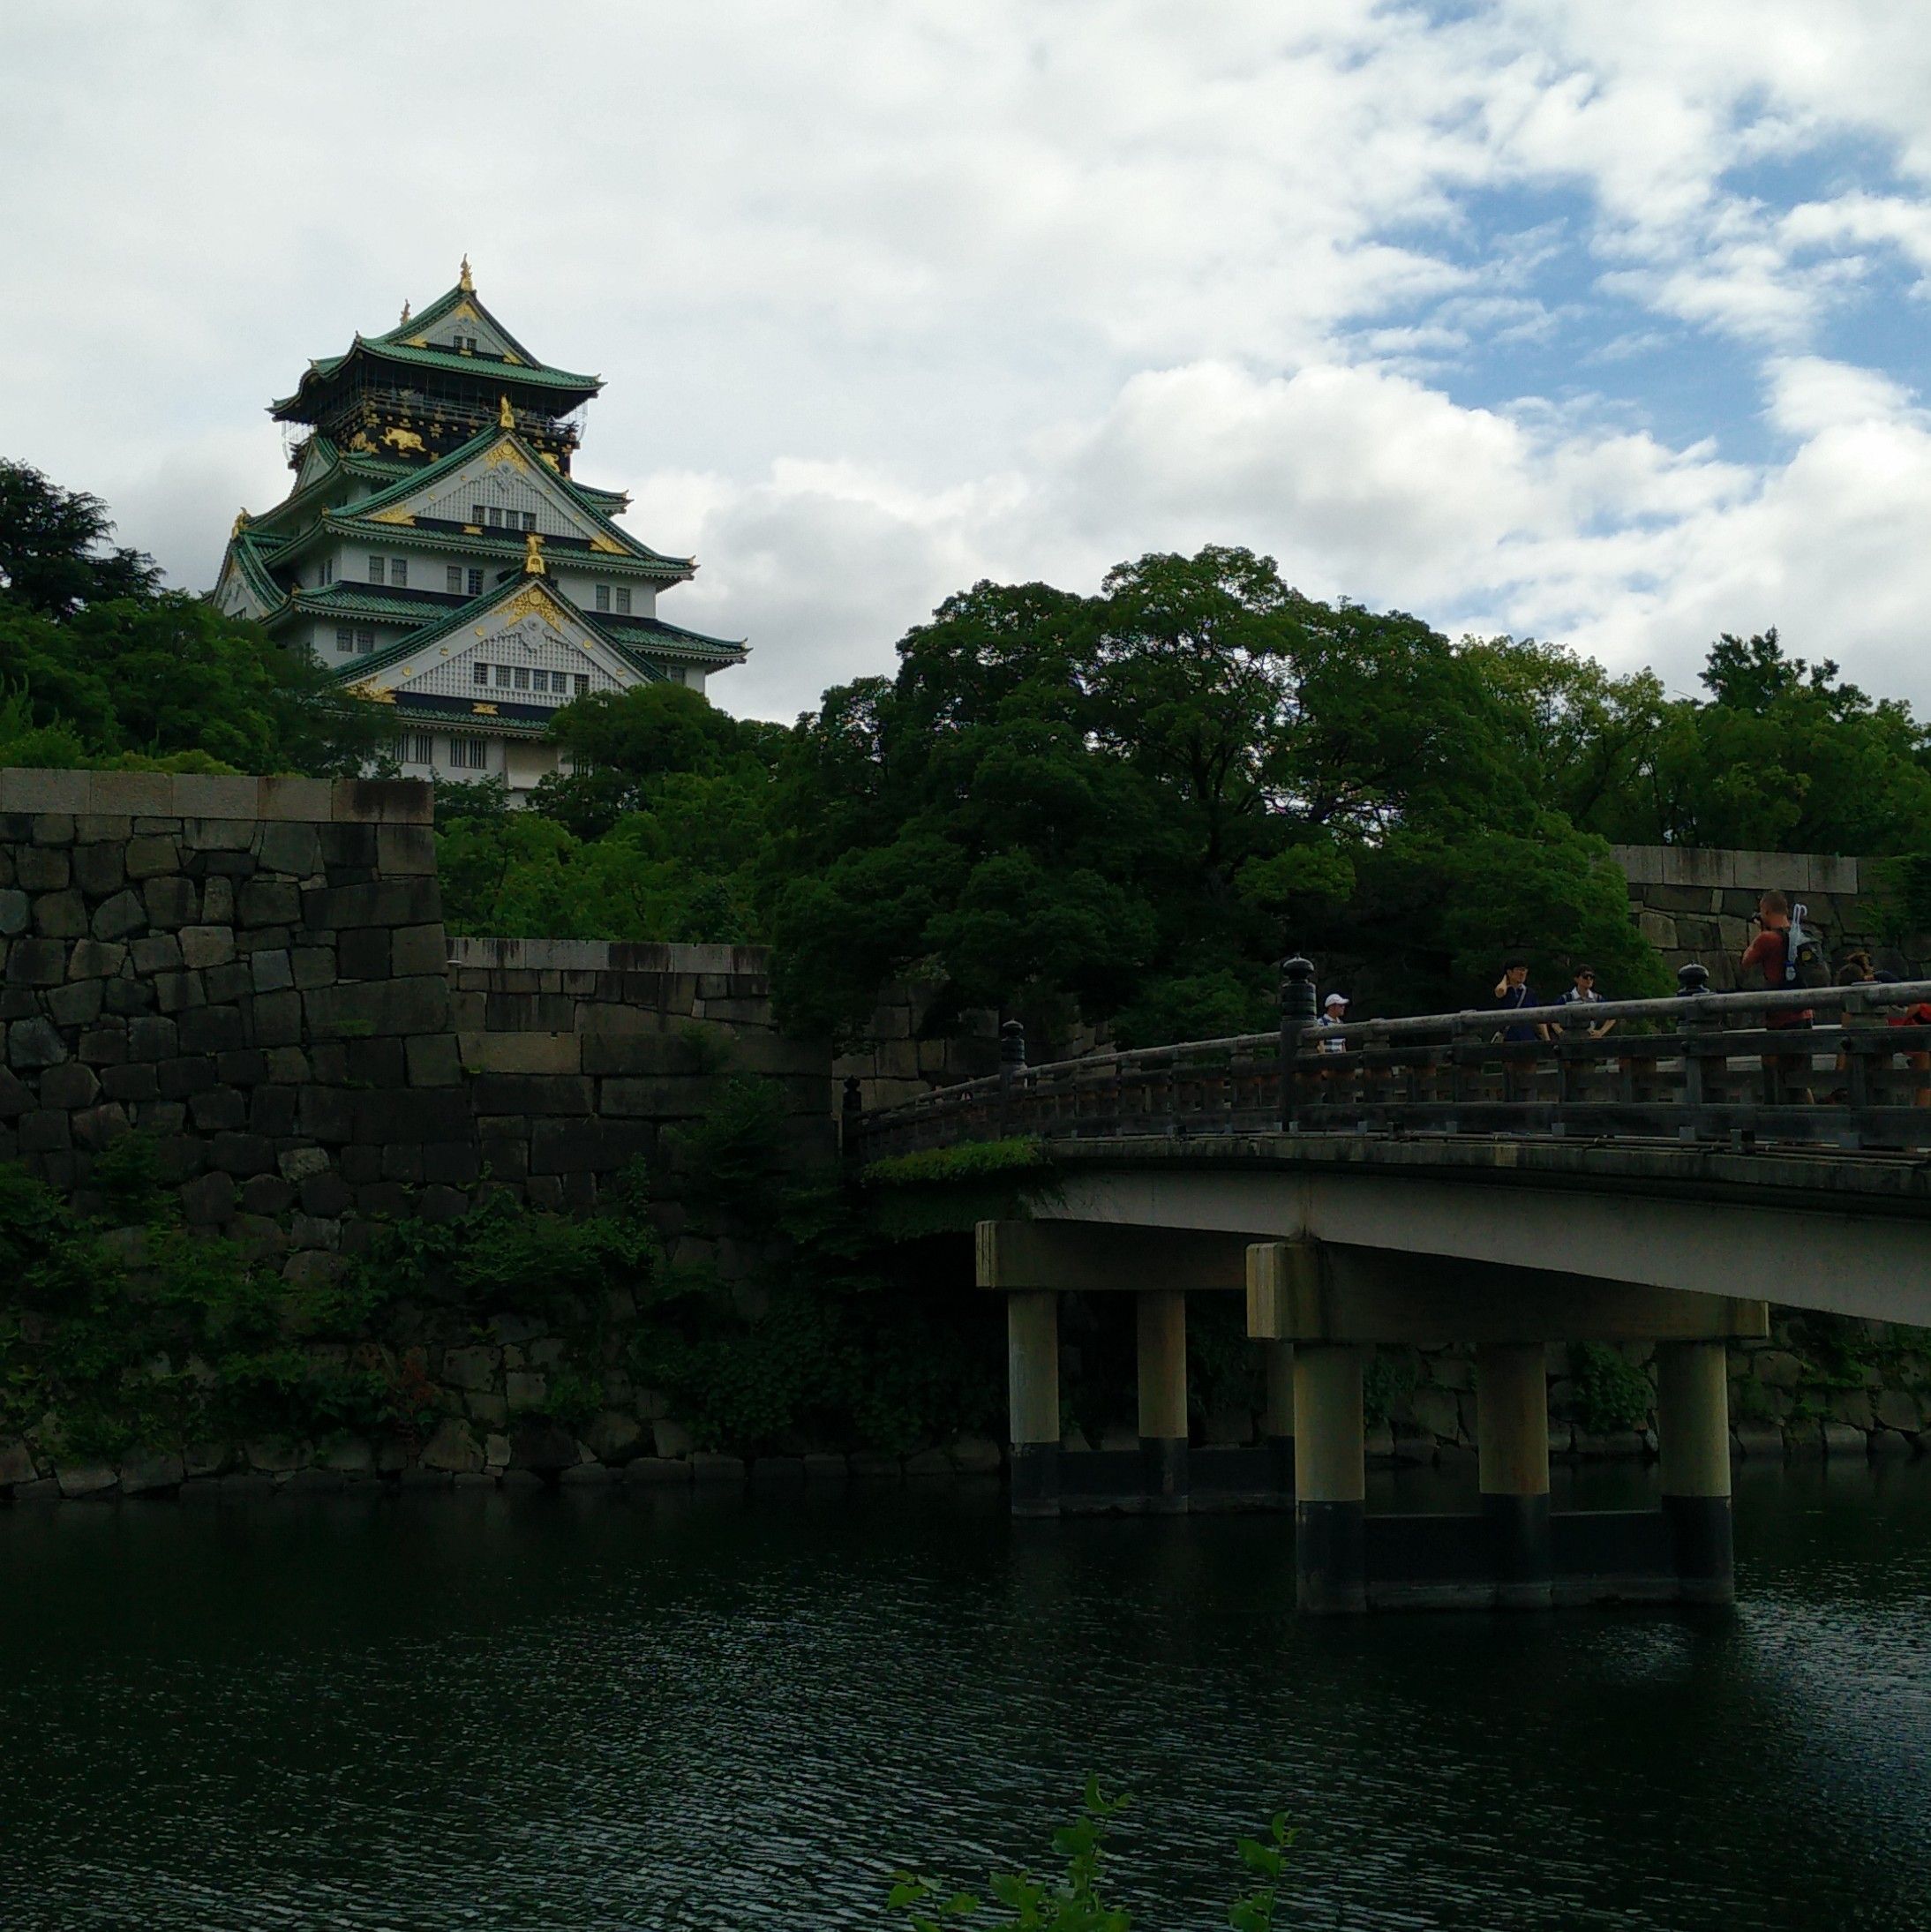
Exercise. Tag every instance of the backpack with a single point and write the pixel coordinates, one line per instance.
(1804, 963)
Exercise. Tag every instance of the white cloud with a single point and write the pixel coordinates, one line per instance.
(891, 298)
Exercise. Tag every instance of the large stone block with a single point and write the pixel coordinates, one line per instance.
(417, 948)
(402, 1116)
(275, 1020)
(405, 849)
(91, 959)
(15, 908)
(60, 915)
(418, 1006)
(34, 1043)
(151, 857)
(99, 868)
(401, 902)
(68, 1085)
(213, 1029)
(207, 945)
(325, 1114)
(42, 868)
(243, 1153)
(301, 799)
(156, 952)
(169, 903)
(649, 1055)
(587, 1146)
(78, 1004)
(35, 962)
(296, 849)
(267, 902)
(151, 1037)
(521, 1052)
(432, 1062)
(667, 1099)
(532, 1094)
(363, 953)
(186, 1074)
(388, 802)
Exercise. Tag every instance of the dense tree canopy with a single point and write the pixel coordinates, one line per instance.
(101, 668)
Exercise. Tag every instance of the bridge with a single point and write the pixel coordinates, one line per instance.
(1657, 1171)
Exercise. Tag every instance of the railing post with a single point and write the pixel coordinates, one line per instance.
(851, 1123)
(1011, 1064)
(1297, 1011)
(1691, 981)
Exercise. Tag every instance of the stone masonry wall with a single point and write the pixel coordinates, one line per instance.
(1695, 905)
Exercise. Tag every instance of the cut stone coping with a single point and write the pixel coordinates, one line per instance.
(605, 956)
(170, 794)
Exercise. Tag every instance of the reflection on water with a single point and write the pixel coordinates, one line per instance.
(595, 1711)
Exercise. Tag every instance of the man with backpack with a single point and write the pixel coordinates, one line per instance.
(1787, 956)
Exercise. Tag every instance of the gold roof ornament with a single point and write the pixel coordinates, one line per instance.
(506, 416)
(533, 564)
(463, 280)
(404, 317)
(241, 521)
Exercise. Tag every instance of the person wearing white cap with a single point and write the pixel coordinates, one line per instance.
(1333, 1016)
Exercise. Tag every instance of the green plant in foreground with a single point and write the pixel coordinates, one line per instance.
(1612, 1393)
(1073, 1903)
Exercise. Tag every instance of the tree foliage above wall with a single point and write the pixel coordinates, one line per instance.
(1122, 807)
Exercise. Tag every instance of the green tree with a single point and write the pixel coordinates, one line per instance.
(54, 552)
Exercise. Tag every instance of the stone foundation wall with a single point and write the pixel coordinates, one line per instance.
(1695, 905)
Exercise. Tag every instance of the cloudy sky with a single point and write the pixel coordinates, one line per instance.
(1602, 322)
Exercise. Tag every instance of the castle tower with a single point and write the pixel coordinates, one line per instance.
(438, 554)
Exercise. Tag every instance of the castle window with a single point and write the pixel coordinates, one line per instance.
(529, 520)
(522, 677)
(453, 578)
(496, 517)
(623, 601)
(603, 597)
(468, 753)
(364, 640)
(582, 684)
(375, 570)
(418, 747)
(502, 676)
(399, 572)
(345, 639)
(479, 673)
(477, 514)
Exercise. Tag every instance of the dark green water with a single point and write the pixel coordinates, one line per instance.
(592, 1712)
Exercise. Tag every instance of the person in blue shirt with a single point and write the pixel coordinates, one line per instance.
(1513, 992)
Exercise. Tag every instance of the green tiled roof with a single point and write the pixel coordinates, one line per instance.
(557, 383)
(644, 633)
(406, 486)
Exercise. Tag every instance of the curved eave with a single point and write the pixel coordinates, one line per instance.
(506, 549)
(563, 389)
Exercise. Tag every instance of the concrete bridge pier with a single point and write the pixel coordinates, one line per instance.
(1692, 1432)
(1330, 1480)
(1161, 1326)
(1512, 1442)
(1033, 1400)
(1277, 1419)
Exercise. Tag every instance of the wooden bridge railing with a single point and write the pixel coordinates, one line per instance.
(1698, 1067)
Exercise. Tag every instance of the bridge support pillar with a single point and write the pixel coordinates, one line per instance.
(1330, 1480)
(1277, 1421)
(1692, 1429)
(1033, 1400)
(1512, 1434)
(1161, 1318)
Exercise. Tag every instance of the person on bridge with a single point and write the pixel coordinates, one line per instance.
(1513, 992)
(1766, 956)
(1334, 1018)
(1583, 993)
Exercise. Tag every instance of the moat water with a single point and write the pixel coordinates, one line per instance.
(622, 1709)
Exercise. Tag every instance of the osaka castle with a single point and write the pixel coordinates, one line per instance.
(437, 553)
